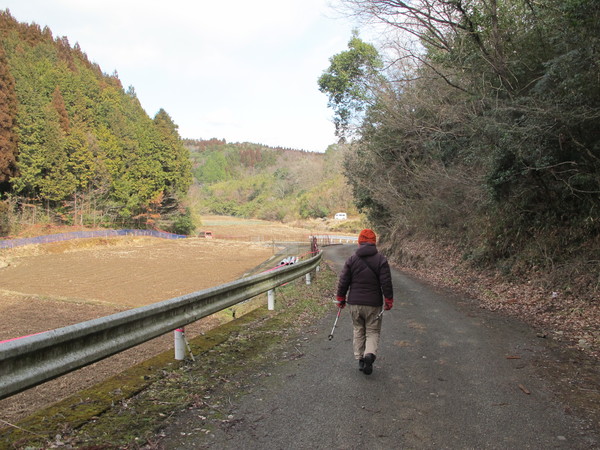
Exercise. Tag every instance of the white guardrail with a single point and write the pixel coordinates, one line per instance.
(32, 360)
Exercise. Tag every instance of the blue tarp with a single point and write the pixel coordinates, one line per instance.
(10, 243)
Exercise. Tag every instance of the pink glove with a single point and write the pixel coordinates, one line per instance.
(341, 302)
(389, 302)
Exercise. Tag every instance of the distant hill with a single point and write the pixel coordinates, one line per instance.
(254, 180)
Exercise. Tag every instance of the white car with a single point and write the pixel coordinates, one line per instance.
(340, 216)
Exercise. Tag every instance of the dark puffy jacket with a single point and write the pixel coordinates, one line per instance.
(362, 282)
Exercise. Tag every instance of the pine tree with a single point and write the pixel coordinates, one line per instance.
(176, 157)
(8, 115)
(58, 103)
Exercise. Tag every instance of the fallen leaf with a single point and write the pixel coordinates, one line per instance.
(524, 389)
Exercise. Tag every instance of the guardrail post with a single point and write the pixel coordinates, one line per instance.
(179, 344)
(308, 278)
(271, 299)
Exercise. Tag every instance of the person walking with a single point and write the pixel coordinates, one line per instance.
(367, 281)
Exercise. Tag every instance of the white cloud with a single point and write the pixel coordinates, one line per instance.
(240, 70)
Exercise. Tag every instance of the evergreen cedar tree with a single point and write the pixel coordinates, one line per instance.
(71, 137)
(8, 115)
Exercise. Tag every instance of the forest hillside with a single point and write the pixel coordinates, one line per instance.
(75, 147)
(475, 130)
(277, 184)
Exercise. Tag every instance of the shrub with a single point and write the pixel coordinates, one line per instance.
(184, 223)
(4, 218)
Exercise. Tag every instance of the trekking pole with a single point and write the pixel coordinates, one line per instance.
(335, 323)
(380, 314)
(187, 344)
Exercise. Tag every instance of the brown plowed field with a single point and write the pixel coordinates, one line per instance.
(48, 286)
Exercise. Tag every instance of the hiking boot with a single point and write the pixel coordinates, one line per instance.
(361, 364)
(368, 361)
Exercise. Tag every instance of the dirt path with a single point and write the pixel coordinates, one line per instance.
(54, 285)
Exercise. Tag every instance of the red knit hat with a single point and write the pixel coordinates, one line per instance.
(367, 236)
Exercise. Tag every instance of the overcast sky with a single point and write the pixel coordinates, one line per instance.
(238, 70)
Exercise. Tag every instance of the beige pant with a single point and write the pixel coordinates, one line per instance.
(367, 328)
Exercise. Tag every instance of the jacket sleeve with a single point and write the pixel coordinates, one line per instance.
(385, 278)
(344, 280)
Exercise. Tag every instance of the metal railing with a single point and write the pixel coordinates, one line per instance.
(333, 239)
(32, 360)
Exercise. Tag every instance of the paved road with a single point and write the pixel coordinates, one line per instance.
(447, 377)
